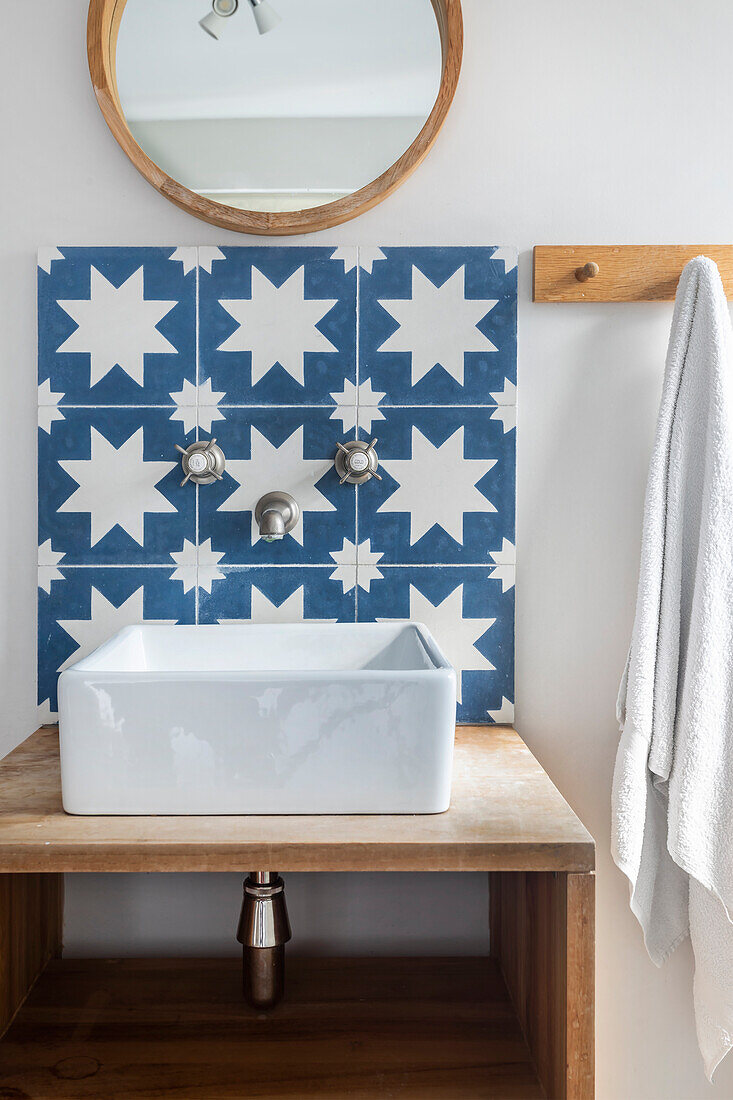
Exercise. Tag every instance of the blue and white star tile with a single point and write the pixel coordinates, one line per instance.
(86, 606)
(277, 325)
(447, 489)
(282, 594)
(438, 326)
(109, 487)
(116, 326)
(470, 617)
(356, 565)
(278, 448)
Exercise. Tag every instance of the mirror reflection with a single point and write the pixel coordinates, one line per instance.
(277, 105)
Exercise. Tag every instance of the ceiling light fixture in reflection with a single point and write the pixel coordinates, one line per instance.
(266, 17)
(215, 23)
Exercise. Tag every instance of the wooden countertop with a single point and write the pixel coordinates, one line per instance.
(505, 815)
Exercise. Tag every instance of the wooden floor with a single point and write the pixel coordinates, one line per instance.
(414, 1029)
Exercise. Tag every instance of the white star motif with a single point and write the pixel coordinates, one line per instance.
(117, 326)
(48, 410)
(349, 573)
(507, 396)
(438, 324)
(46, 256)
(504, 716)
(508, 255)
(283, 466)
(451, 485)
(346, 414)
(368, 396)
(345, 559)
(367, 565)
(197, 405)
(208, 254)
(208, 561)
(197, 568)
(353, 403)
(367, 416)
(116, 486)
(455, 635)
(507, 414)
(348, 255)
(187, 560)
(278, 325)
(506, 400)
(48, 560)
(368, 401)
(265, 611)
(186, 400)
(106, 620)
(367, 257)
(504, 562)
(367, 571)
(187, 256)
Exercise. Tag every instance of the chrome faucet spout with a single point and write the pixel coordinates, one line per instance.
(276, 514)
(272, 525)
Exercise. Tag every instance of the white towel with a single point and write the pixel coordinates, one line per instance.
(673, 784)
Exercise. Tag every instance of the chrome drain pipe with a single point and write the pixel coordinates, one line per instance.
(263, 931)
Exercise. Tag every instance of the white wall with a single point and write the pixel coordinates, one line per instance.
(331, 914)
(575, 121)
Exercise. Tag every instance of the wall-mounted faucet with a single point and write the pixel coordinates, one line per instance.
(276, 514)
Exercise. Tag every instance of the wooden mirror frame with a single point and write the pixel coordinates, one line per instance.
(102, 30)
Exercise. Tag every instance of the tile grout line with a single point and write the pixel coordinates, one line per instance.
(276, 405)
(356, 553)
(280, 565)
(197, 532)
(357, 334)
(357, 371)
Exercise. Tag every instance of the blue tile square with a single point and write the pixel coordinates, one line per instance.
(438, 326)
(448, 486)
(277, 326)
(81, 608)
(277, 448)
(116, 326)
(109, 487)
(280, 594)
(470, 613)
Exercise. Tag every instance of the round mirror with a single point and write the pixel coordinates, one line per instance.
(277, 116)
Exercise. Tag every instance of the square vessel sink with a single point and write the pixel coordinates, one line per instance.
(255, 719)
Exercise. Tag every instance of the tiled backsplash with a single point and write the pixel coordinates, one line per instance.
(279, 352)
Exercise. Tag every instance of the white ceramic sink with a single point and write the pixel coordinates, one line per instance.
(254, 719)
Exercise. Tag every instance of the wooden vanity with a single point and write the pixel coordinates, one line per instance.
(517, 1024)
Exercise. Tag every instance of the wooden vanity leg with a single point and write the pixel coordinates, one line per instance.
(543, 936)
(31, 927)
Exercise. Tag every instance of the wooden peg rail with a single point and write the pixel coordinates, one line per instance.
(620, 273)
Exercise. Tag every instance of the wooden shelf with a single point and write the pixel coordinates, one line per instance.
(414, 1029)
(505, 815)
(362, 1029)
(623, 273)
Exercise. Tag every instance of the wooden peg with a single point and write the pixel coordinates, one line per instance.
(587, 271)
